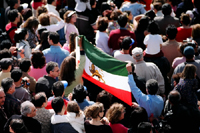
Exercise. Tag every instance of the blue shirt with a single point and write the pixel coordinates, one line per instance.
(56, 54)
(152, 103)
(84, 104)
(135, 8)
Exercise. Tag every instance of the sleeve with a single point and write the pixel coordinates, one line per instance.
(142, 10)
(56, 27)
(161, 41)
(79, 70)
(27, 51)
(145, 40)
(27, 96)
(137, 93)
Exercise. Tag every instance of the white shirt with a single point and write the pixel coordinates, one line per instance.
(102, 41)
(51, 8)
(81, 6)
(153, 43)
(53, 27)
(123, 57)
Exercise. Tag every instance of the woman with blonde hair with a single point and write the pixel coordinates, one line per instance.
(114, 114)
(96, 124)
(75, 116)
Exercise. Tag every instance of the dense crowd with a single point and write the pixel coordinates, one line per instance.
(42, 88)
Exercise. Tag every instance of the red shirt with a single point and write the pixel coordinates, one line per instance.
(113, 40)
(50, 107)
(183, 34)
(118, 128)
(12, 33)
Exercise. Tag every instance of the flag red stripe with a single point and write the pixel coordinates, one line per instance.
(121, 94)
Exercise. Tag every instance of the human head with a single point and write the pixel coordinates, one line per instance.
(40, 10)
(153, 28)
(105, 98)
(20, 34)
(38, 59)
(137, 53)
(5, 44)
(27, 14)
(14, 3)
(138, 115)
(166, 9)
(122, 19)
(40, 100)
(40, 31)
(28, 109)
(72, 44)
(126, 43)
(152, 86)
(114, 15)
(188, 52)
(185, 19)
(102, 24)
(13, 15)
(144, 127)
(79, 93)
(67, 69)
(5, 53)
(2, 97)
(174, 97)
(94, 111)
(6, 64)
(53, 38)
(171, 32)
(143, 23)
(44, 19)
(52, 69)
(115, 113)
(189, 71)
(69, 15)
(31, 23)
(62, 11)
(8, 85)
(72, 106)
(151, 14)
(52, 2)
(58, 89)
(25, 64)
(196, 31)
(157, 5)
(44, 40)
(58, 104)
(17, 126)
(16, 74)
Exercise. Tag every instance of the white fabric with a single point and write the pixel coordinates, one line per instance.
(153, 43)
(102, 41)
(53, 27)
(27, 49)
(81, 6)
(123, 57)
(76, 122)
(52, 9)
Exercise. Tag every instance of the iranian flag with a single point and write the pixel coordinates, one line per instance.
(107, 72)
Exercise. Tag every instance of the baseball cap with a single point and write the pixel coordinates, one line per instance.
(137, 53)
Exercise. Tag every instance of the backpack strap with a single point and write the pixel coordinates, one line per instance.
(12, 28)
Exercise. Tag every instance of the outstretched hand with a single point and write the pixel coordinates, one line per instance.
(129, 67)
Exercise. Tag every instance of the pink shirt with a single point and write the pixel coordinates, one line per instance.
(178, 61)
(37, 72)
(66, 47)
(118, 128)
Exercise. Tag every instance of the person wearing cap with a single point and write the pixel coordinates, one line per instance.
(123, 54)
(51, 8)
(148, 70)
(167, 19)
(70, 19)
(6, 66)
(189, 55)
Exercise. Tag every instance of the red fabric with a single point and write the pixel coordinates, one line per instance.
(113, 40)
(183, 34)
(12, 33)
(50, 107)
(35, 5)
(121, 94)
(160, 54)
(118, 128)
(147, 3)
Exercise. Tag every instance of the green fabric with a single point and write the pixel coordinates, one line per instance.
(103, 60)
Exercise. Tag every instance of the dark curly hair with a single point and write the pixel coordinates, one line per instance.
(38, 59)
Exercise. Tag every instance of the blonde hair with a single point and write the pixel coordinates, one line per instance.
(94, 110)
(114, 112)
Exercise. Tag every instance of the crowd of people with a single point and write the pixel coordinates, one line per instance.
(41, 85)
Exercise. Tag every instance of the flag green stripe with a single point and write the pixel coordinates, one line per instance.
(103, 60)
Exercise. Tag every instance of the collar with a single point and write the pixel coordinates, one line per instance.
(54, 47)
(51, 6)
(139, 62)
